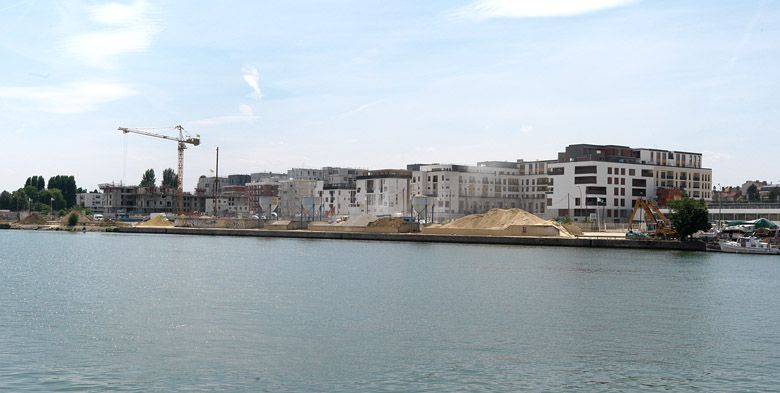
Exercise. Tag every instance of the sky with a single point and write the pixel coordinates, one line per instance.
(381, 84)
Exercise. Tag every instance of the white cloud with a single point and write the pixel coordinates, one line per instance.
(526, 129)
(116, 29)
(358, 109)
(75, 97)
(252, 78)
(486, 9)
(246, 115)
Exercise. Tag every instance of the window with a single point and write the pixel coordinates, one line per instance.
(639, 182)
(609, 180)
(580, 170)
(616, 191)
(556, 171)
(647, 173)
(615, 202)
(585, 180)
(622, 192)
(622, 171)
(576, 201)
(609, 171)
(622, 181)
(631, 172)
(640, 192)
(596, 190)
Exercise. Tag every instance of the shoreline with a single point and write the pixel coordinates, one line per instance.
(423, 238)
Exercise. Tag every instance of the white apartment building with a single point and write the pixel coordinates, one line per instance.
(91, 200)
(679, 170)
(583, 189)
(291, 195)
(535, 183)
(606, 180)
(384, 192)
(339, 202)
(458, 190)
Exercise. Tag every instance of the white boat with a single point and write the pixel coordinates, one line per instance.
(748, 245)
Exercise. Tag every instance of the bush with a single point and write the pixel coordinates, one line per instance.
(73, 219)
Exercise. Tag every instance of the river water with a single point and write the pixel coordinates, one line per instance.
(126, 312)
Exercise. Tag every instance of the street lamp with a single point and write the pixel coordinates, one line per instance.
(51, 208)
(720, 206)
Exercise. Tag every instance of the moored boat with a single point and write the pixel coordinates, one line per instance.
(748, 245)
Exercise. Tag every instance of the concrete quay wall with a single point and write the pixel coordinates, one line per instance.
(427, 238)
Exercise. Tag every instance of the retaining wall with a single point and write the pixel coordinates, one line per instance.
(428, 238)
(230, 223)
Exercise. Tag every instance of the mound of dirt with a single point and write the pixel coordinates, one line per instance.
(510, 222)
(360, 220)
(33, 219)
(497, 219)
(157, 221)
(573, 228)
(83, 219)
(386, 223)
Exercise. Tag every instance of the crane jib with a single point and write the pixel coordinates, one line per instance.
(181, 146)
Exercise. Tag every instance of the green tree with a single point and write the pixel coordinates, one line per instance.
(148, 179)
(73, 219)
(689, 216)
(5, 200)
(170, 179)
(53, 197)
(752, 193)
(67, 185)
(774, 195)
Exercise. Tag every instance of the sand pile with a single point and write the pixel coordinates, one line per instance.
(497, 219)
(360, 220)
(157, 221)
(573, 228)
(503, 222)
(366, 223)
(33, 219)
(82, 218)
(386, 223)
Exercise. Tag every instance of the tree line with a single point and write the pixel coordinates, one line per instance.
(38, 195)
(170, 179)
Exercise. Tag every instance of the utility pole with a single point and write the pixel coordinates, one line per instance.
(216, 186)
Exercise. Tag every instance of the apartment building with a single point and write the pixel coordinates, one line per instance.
(457, 190)
(339, 201)
(384, 192)
(535, 183)
(304, 174)
(90, 200)
(604, 181)
(233, 201)
(292, 194)
(122, 199)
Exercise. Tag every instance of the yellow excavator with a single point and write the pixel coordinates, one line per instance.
(658, 225)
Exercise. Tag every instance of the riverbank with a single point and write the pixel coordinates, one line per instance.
(424, 238)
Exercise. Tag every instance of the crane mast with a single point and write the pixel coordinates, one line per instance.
(182, 142)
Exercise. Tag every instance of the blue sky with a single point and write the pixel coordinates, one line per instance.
(375, 84)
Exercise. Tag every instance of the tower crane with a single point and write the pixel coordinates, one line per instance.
(182, 140)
